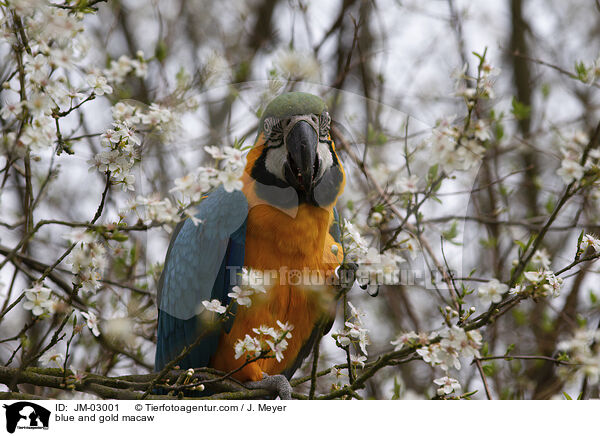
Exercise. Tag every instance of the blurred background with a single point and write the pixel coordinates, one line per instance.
(392, 73)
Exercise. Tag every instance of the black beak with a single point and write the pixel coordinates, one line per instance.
(302, 163)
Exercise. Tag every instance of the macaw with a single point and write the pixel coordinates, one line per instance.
(283, 220)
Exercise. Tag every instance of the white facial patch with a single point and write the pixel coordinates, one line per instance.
(325, 158)
(275, 161)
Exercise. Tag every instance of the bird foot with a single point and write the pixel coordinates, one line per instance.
(277, 384)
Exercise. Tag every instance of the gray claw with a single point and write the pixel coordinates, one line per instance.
(277, 384)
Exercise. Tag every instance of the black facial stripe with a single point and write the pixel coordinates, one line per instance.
(324, 124)
(270, 188)
(270, 147)
(262, 175)
(273, 130)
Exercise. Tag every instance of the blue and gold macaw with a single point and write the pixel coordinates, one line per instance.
(283, 220)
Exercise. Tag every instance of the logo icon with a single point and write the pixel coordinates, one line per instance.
(26, 415)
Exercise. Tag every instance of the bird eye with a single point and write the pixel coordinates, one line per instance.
(324, 123)
(273, 131)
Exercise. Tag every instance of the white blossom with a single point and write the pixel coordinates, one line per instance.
(295, 65)
(61, 57)
(354, 331)
(157, 209)
(265, 330)
(38, 299)
(584, 351)
(52, 358)
(408, 184)
(455, 149)
(251, 281)
(126, 113)
(466, 343)
(447, 385)
(403, 340)
(553, 284)
(217, 69)
(454, 343)
(215, 151)
(249, 347)
(233, 157)
(231, 180)
(285, 327)
(375, 219)
(581, 138)
(40, 134)
(92, 322)
(355, 245)
(517, 289)
(410, 244)
(254, 280)
(269, 341)
(110, 138)
(534, 276)
(123, 66)
(99, 84)
(354, 312)
(426, 354)
(87, 260)
(492, 291)
(157, 116)
(376, 269)
(466, 92)
(127, 133)
(342, 340)
(241, 296)
(37, 68)
(570, 171)
(278, 348)
(357, 333)
(358, 360)
(481, 130)
(214, 306)
(541, 258)
(191, 187)
(591, 241)
(544, 282)
(446, 356)
(120, 329)
(11, 109)
(89, 281)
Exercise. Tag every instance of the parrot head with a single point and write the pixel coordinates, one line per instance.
(294, 161)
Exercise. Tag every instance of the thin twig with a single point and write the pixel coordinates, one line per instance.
(484, 379)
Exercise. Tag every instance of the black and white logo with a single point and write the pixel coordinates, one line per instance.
(26, 415)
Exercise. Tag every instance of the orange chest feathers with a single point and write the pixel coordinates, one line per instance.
(294, 253)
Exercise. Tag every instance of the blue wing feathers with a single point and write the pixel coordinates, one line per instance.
(196, 269)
